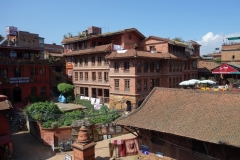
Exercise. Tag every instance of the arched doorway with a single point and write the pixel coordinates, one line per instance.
(17, 94)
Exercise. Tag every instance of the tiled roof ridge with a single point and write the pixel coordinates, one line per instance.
(77, 38)
(96, 47)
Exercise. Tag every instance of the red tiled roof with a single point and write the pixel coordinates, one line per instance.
(207, 116)
(53, 46)
(206, 66)
(5, 105)
(133, 52)
(95, 49)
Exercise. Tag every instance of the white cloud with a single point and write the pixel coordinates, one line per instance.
(209, 42)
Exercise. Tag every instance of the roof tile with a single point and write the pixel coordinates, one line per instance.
(206, 116)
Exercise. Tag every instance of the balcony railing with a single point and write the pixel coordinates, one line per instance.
(231, 43)
(24, 61)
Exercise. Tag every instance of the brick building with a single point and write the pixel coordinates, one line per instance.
(205, 69)
(231, 50)
(124, 66)
(187, 124)
(23, 70)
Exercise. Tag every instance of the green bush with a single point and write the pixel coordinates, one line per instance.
(43, 111)
(104, 115)
(67, 90)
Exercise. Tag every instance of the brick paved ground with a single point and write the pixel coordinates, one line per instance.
(26, 147)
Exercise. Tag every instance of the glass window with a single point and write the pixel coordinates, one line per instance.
(145, 85)
(93, 76)
(116, 84)
(99, 76)
(145, 67)
(76, 76)
(33, 71)
(75, 62)
(139, 67)
(126, 66)
(33, 91)
(116, 66)
(43, 90)
(152, 67)
(81, 76)
(157, 66)
(42, 71)
(69, 60)
(157, 84)
(86, 76)
(139, 85)
(152, 83)
(99, 60)
(127, 85)
(106, 76)
(93, 60)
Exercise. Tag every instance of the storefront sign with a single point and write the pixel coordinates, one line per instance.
(224, 69)
(19, 80)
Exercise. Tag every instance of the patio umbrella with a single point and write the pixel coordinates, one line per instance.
(189, 82)
(207, 82)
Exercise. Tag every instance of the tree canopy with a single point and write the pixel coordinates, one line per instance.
(179, 39)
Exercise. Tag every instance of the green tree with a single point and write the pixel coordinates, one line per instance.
(1, 37)
(218, 60)
(179, 39)
(67, 90)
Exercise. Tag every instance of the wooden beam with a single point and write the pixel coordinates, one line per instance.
(206, 147)
(130, 131)
(224, 153)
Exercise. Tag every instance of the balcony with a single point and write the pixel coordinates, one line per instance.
(6, 60)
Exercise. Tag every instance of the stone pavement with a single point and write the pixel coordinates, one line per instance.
(26, 147)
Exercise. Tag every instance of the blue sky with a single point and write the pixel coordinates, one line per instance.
(205, 21)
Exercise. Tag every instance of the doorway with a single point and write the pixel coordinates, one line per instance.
(17, 94)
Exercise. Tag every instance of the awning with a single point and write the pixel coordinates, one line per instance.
(224, 69)
(5, 139)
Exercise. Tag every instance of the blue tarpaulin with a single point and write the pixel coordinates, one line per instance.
(61, 98)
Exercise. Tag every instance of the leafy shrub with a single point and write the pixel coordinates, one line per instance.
(44, 111)
(104, 115)
(67, 90)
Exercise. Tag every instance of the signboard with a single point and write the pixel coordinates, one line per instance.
(145, 149)
(68, 157)
(13, 54)
(224, 69)
(10, 30)
(48, 138)
(19, 80)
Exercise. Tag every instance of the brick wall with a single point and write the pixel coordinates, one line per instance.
(181, 148)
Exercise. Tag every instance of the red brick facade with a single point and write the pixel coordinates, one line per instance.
(23, 70)
(115, 77)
